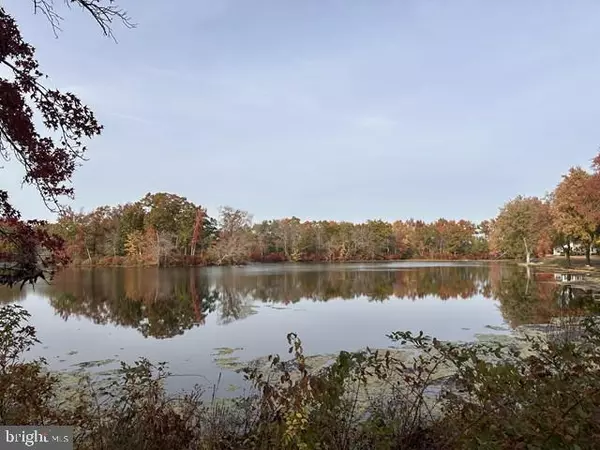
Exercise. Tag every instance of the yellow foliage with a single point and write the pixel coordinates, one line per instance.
(296, 424)
(134, 244)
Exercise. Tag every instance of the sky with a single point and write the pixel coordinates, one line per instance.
(328, 109)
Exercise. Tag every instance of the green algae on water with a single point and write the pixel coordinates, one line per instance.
(222, 351)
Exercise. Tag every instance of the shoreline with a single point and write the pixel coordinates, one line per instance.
(267, 263)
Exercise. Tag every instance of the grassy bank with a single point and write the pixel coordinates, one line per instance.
(577, 264)
(543, 395)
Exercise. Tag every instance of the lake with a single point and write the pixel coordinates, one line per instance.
(200, 319)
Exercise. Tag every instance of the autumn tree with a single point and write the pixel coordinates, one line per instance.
(131, 220)
(484, 229)
(204, 231)
(264, 241)
(460, 237)
(233, 243)
(162, 210)
(311, 238)
(69, 227)
(382, 238)
(288, 232)
(342, 242)
(135, 245)
(49, 152)
(480, 245)
(594, 192)
(403, 235)
(570, 224)
(520, 227)
(172, 217)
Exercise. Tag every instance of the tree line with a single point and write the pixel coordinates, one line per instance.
(164, 229)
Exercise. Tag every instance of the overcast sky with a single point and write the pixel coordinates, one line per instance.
(338, 109)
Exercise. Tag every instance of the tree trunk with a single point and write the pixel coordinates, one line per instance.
(588, 251)
(568, 254)
(158, 252)
(527, 252)
(197, 231)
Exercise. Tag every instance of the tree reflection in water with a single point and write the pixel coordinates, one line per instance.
(539, 298)
(12, 295)
(163, 303)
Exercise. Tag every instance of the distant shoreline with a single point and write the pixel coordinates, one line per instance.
(126, 264)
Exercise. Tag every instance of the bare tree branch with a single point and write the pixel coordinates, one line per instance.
(104, 13)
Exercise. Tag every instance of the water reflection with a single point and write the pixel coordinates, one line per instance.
(12, 295)
(540, 298)
(167, 302)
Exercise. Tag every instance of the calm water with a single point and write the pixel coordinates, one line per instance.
(182, 315)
